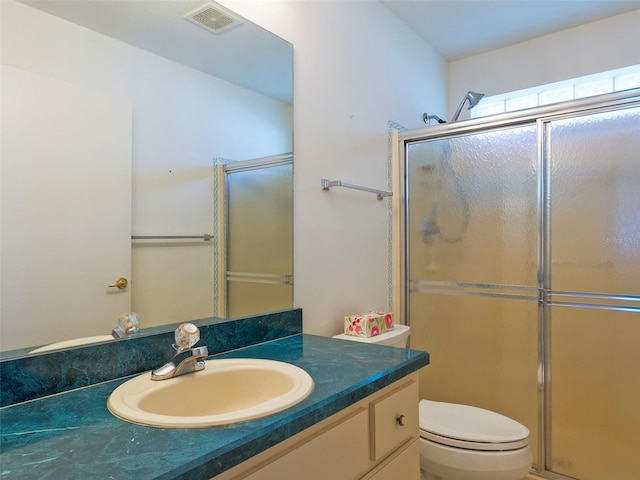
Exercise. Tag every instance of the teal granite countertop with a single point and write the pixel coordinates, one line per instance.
(72, 435)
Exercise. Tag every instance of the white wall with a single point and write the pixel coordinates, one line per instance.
(182, 120)
(591, 48)
(355, 68)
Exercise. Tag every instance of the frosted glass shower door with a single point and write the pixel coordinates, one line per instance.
(595, 295)
(523, 276)
(472, 228)
(259, 239)
(473, 209)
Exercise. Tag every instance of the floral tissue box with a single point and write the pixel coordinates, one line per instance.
(368, 324)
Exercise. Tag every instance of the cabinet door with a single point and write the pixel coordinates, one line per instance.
(340, 452)
(403, 466)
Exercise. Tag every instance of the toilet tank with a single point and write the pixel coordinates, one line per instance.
(398, 337)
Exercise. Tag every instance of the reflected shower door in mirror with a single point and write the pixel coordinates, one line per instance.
(190, 92)
(258, 204)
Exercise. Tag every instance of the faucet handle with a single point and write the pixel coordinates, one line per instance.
(128, 324)
(186, 335)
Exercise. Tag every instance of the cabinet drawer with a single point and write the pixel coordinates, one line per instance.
(393, 419)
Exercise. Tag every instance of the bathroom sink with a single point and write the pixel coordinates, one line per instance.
(227, 391)
(76, 342)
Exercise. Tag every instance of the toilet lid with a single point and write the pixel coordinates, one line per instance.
(470, 427)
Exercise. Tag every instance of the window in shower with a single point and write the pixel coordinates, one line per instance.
(581, 87)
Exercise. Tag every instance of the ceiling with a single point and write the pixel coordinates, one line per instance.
(455, 28)
(460, 28)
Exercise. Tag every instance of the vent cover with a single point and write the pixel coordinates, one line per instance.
(214, 18)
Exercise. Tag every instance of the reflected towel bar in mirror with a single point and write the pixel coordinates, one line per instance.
(206, 237)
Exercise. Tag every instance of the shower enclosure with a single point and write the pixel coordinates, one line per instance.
(522, 275)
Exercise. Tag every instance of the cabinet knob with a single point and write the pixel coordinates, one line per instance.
(401, 420)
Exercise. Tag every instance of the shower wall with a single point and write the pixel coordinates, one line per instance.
(523, 253)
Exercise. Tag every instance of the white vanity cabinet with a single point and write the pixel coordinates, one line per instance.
(374, 439)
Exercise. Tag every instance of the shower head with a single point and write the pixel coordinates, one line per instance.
(473, 98)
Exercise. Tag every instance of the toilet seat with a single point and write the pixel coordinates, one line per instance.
(471, 428)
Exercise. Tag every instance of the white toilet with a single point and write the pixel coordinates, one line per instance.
(460, 442)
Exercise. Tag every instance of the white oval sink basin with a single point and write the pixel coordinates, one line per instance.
(227, 391)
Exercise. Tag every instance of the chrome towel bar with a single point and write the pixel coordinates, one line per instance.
(327, 184)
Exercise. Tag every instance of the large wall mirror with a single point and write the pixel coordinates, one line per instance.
(132, 131)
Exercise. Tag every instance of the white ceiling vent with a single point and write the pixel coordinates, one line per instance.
(214, 18)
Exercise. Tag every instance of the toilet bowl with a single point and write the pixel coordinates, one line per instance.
(461, 442)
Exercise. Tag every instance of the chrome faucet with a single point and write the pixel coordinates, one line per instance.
(186, 358)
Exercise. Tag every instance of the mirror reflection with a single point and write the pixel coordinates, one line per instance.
(135, 144)
(258, 226)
